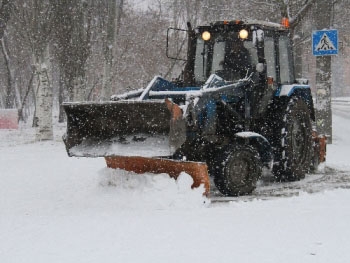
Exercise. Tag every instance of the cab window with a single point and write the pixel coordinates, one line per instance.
(269, 51)
(284, 58)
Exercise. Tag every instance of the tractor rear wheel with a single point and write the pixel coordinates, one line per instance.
(236, 170)
(294, 147)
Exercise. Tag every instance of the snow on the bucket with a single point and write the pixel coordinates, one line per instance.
(156, 191)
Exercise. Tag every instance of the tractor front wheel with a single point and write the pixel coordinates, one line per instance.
(236, 170)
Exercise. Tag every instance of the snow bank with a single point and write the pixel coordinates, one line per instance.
(152, 191)
(338, 152)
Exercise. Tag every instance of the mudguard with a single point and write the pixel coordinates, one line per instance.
(302, 91)
(260, 143)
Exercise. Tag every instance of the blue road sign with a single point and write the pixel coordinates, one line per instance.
(325, 42)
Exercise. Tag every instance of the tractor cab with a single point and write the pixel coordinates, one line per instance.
(229, 53)
(258, 52)
(236, 50)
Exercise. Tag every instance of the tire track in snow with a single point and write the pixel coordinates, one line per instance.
(268, 188)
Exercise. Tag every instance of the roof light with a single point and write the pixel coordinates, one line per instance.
(243, 34)
(206, 35)
(285, 22)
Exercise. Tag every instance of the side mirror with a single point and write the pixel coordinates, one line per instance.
(174, 48)
(260, 67)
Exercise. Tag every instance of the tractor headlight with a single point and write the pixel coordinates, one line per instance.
(206, 35)
(243, 34)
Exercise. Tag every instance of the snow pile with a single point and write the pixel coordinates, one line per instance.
(338, 152)
(152, 191)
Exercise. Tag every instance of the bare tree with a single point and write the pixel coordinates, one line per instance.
(115, 11)
(40, 37)
(72, 47)
(36, 17)
(10, 101)
(139, 50)
(5, 12)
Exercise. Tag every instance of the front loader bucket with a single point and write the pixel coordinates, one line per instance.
(198, 171)
(120, 128)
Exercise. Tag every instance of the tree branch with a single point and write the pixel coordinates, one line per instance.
(294, 21)
(5, 11)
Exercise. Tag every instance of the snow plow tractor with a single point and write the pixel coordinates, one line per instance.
(235, 109)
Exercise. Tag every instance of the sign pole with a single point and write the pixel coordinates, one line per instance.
(323, 97)
(323, 71)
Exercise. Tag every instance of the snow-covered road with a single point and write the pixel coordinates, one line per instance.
(59, 209)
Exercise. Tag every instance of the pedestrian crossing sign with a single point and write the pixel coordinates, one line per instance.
(325, 42)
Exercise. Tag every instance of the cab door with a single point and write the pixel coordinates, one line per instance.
(268, 83)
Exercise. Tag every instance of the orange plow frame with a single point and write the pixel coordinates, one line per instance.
(198, 171)
(320, 146)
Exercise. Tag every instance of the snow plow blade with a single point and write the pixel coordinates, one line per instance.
(123, 128)
(136, 136)
(198, 171)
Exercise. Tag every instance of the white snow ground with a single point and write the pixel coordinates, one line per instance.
(59, 209)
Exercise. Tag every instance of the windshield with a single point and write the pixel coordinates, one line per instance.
(225, 55)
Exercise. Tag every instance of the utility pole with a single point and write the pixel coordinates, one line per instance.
(323, 75)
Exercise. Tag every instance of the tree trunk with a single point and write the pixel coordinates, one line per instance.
(29, 88)
(44, 100)
(79, 88)
(61, 115)
(119, 16)
(5, 12)
(112, 26)
(10, 100)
